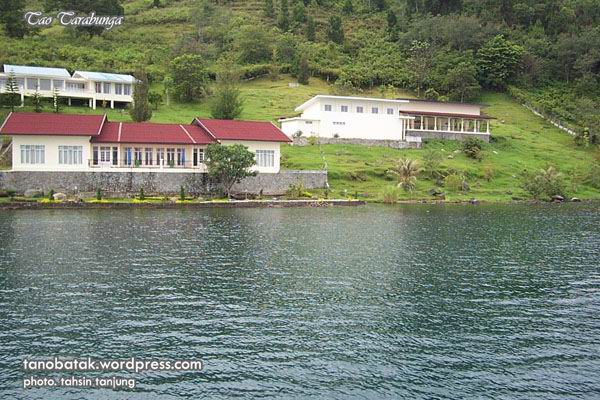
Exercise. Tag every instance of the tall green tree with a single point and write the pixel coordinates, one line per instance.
(335, 31)
(283, 21)
(269, 8)
(461, 82)
(310, 29)
(420, 64)
(348, 7)
(497, 62)
(140, 110)
(303, 71)
(11, 16)
(299, 13)
(12, 97)
(36, 101)
(227, 103)
(228, 165)
(190, 79)
(56, 100)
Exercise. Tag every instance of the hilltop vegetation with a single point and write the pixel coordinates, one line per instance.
(545, 52)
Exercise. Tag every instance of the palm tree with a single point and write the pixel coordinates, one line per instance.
(406, 170)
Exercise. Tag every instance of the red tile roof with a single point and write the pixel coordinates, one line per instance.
(151, 133)
(25, 123)
(222, 129)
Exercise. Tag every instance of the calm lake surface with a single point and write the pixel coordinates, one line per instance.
(371, 302)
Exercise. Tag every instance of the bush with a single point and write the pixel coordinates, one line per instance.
(593, 177)
(390, 195)
(51, 194)
(545, 183)
(297, 190)
(312, 140)
(142, 195)
(456, 183)
(488, 172)
(98, 194)
(181, 193)
(432, 162)
(471, 147)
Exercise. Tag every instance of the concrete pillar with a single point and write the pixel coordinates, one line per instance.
(435, 124)
(462, 124)
(22, 98)
(69, 100)
(488, 126)
(112, 104)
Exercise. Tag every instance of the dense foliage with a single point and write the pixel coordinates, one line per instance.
(547, 51)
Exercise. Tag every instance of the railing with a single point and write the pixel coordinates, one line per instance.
(132, 164)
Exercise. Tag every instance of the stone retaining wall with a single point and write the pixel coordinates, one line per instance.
(448, 135)
(153, 182)
(395, 144)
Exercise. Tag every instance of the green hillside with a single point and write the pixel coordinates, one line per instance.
(441, 50)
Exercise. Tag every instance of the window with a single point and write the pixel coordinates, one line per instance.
(127, 90)
(138, 156)
(95, 155)
(170, 156)
(32, 84)
(198, 157)
(148, 154)
(107, 88)
(2, 84)
(390, 111)
(115, 156)
(265, 158)
(21, 83)
(344, 108)
(160, 156)
(105, 155)
(128, 156)
(45, 84)
(70, 155)
(59, 84)
(33, 154)
(308, 122)
(374, 110)
(327, 107)
(180, 157)
(98, 87)
(359, 109)
(339, 123)
(118, 88)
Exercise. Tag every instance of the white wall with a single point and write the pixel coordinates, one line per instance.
(350, 125)
(253, 146)
(50, 144)
(447, 108)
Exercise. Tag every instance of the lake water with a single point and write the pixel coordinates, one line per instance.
(369, 302)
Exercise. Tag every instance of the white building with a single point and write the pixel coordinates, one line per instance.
(67, 142)
(384, 119)
(95, 88)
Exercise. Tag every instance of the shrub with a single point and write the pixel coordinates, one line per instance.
(471, 147)
(545, 183)
(98, 194)
(488, 172)
(181, 193)
(297, 190)
(312, 140)
(297, 134)
(593, 177)
(406, 170)
(390, 195)
(456, 183)
(142, 195)
(51, 194)
(432, 161)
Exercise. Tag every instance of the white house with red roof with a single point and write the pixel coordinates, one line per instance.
(69, 142)
(366, 118)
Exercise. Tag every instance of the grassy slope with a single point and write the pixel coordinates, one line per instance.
(523, 142)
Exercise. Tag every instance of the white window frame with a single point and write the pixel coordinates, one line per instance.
(33, 154)
(328, 107)
(390, 111)
(265, 158)
(70, 155)
(344, 108)
(360, 109)
(374, 110)
(127, 90)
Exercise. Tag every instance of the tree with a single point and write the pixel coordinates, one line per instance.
(253, 44)
(229, 164)
(303, 71)
(335, 32)
(56, 100)
(299, 13)
(348, 7)
(190, 78)
(497, 62)
(406, 170)
(420, 63)
(155, 99)
(392, 25)
(140, 110)
(227, 103)
(12, 98)
(36, 101)
(283, 22)
(269, 8)
(310, 29)
(461, 82)
(11, 16)
(156, 4)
